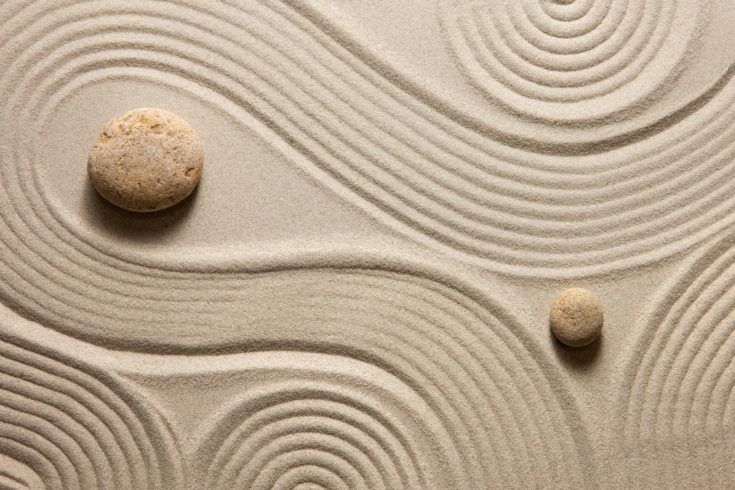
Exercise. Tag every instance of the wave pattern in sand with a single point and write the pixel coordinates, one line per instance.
(76, 427)
(462, 394)
(501, 201)
(571, 63)
(682, 372)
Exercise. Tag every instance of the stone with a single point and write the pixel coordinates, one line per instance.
(146, 160)
(576, 317)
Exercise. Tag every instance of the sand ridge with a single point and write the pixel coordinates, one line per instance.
(417, 359)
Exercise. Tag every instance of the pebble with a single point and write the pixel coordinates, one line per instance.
(576, 317)
(146, 160)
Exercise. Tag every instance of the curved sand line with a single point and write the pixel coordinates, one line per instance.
(681, 373)
(414, 417)
(487, 381)
(378, 432)
(611, 59)
(15, 475)
(77, 427)
(554, 136)
(487, 204)
(489, 199)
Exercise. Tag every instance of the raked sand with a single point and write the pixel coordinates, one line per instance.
(358, 293)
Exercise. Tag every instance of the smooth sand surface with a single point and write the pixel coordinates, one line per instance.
(357, 294)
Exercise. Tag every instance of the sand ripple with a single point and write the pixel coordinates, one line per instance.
(78, 427)
(497, 200)
(579, 61)
(460, 391)
(682, 368)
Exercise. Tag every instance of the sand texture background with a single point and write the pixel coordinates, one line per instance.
(357, 295)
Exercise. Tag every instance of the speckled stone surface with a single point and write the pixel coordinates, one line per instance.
(146, 160)
(576, 317)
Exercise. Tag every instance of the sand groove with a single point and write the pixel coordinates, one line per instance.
(682, 369)
(483, 379)
(462, 364)
(78, 428)
(341, 417)
(571, 63)
(481, 199)
(342, 440)
(478, 382)
(560, 202)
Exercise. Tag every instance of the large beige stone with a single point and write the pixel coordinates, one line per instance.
(146, 160)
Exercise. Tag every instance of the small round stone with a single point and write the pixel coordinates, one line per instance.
(576, 317)
(146, 160)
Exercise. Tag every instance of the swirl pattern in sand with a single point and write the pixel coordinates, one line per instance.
(487, 199)
(570, 61)
(400, 405)
(449, 389)
(297, 433)
(419, 377)
(71, 426)
(357, 426)
(682, 367)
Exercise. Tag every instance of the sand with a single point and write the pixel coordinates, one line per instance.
(357, 294)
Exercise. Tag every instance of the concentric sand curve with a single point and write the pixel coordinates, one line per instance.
(681, 374)
(75, 427)
(15, 475)
(355, 461)
(336, 415)
(595, 63)
(512, 129)
(464, 368)
(489, 204)
(156, 307)
(485, 380)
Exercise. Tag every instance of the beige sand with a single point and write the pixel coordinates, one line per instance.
(357, 294)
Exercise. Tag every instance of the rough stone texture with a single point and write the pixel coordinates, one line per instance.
(576, 317)
(146, 160)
